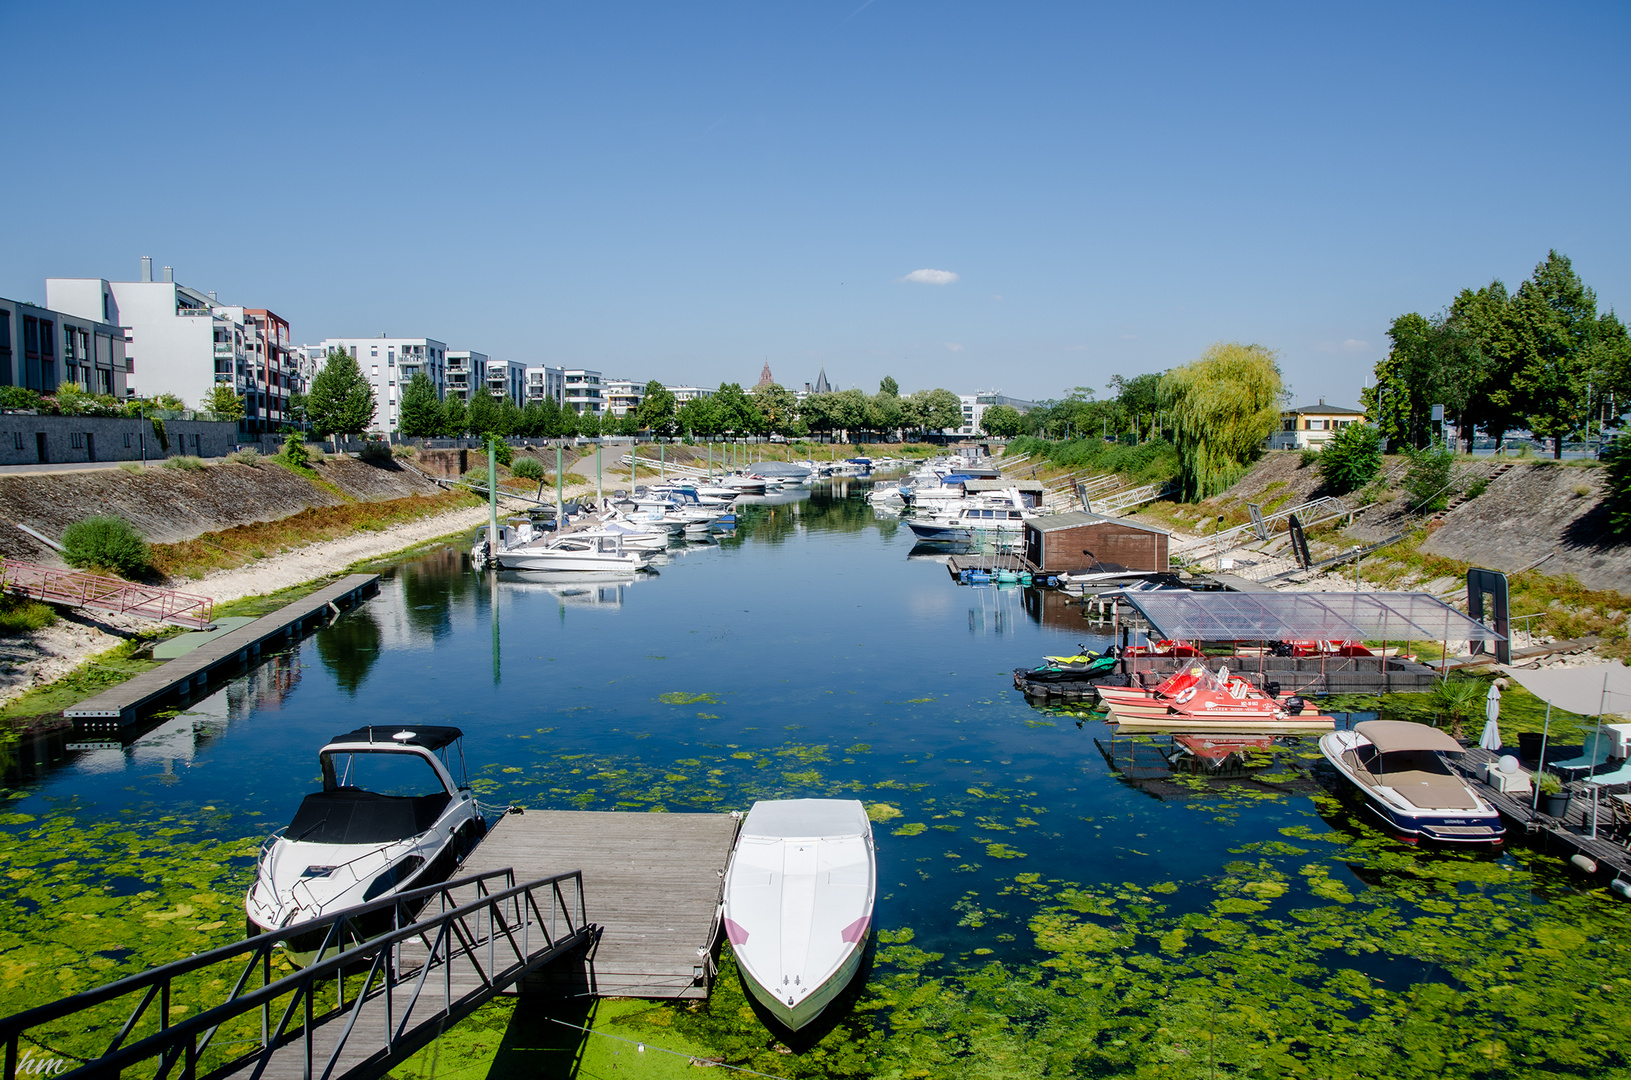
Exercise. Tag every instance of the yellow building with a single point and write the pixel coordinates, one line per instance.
(1308, 426)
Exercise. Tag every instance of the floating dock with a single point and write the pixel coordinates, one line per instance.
(221, 655)
(653, 883)
(1551, 834)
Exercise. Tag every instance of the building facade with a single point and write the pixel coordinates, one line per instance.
(623, 396)
(975, 404)
(181, 341)
(1309, 427)
(508, 378)
(546, 382)
(465, 369)
(389, 364)
(41, 348)
(682, 394)
(584, 392)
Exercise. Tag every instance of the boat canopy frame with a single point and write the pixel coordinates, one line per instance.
(1306, 616)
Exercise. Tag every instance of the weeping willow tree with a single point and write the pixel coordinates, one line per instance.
(1223, 406)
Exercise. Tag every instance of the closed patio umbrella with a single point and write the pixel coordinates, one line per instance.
(1491, 738)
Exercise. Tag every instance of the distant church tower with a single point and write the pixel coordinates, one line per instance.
(822, 386)
(765, 378)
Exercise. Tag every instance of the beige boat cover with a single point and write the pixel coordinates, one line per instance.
(1391, 736)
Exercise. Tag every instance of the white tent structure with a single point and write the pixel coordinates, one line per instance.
(1596, 690)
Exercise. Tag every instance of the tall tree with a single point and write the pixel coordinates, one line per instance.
(482, 415)
(657, 411)
(221, 400)
(698, 417)
(738, 412)
(590, 424)
(421, 413)
(341, 401)
(884, 412)
(889, 386)
(777, 406)
(454, 420)
(1223, 406)
(1001, 421)
(944, 411)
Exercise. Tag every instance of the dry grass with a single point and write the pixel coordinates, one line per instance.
(245, 543)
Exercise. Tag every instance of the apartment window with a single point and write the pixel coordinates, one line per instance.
(107, 308)
(373, 350)
(374, 370)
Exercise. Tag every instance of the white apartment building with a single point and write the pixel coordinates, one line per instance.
(584, 392)
(508, 378)
(390, 364)
(623, 396)
(187, 342)
(682, 394)
(41, 349)
(465, 369)
(545, 382)
(975, 404)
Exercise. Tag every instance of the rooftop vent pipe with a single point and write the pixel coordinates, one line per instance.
(169, 275)
(147, 268)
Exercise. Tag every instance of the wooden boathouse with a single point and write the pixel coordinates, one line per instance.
(1079, 542)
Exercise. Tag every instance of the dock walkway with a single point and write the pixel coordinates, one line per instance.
(1553, 834)
(652, 882)
(230, 651)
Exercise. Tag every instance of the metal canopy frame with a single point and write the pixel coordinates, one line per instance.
(1306, 616)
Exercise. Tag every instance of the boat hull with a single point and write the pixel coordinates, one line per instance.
(801, 1014)
(569, 561)
(1480, 827)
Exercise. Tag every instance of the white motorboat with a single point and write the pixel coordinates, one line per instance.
(1394, 766)
(391, 818)
(597, 552)
(961, 525)
(798, 902)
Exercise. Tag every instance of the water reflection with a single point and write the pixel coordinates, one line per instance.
(1183, 766)
(349, 647)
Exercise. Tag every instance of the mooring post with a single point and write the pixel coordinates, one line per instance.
(492, 500)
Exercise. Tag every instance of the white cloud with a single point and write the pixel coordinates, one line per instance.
(929, 277)
(952, 345)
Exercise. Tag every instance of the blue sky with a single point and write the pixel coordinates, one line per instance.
(683, 191)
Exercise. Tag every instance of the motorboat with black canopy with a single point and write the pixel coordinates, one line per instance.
(395, 813)
(1396, 768)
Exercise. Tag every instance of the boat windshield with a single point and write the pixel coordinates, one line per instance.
(382, 772)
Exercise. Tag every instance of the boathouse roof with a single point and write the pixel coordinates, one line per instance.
(1077, 518)
(1305, 616)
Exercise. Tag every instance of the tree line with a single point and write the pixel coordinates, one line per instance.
(341, 402)
(1541, 359)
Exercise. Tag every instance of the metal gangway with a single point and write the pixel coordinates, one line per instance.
(390, 976)
(100, 592)
(1119, 502)
(1262, 526)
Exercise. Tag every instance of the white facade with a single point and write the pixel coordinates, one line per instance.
(1309, 427)
(584, 392)
(465, 369)
(545, 382)
(508, 378)
(184, 342)
(40, 349)
(682, 394)
(623, 396)
(390, 364)
(975, 404)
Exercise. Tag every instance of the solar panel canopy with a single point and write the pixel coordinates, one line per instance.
(1305, 616)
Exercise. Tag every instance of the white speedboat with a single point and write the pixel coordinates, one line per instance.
(798, 902)
(962, 525)
(593, 552)
(1394, 766)
(391, 817)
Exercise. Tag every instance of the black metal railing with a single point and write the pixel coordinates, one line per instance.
(494, 931)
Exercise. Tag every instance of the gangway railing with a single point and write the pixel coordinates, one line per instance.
(100, 592)
(1313, 512)
(417, 963)
(1120, 502)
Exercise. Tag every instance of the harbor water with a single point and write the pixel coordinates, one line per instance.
(1053, 899)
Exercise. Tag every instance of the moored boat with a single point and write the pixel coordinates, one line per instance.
(1396, 768)
(391, 817)
(798, 902)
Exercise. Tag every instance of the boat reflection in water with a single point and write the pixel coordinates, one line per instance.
(586, 590)
(1165, 765)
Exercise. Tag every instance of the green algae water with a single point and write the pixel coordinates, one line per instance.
(1053, 900)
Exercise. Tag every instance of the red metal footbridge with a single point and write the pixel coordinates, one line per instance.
(80, 588)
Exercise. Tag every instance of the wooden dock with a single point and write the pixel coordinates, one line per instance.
(652, 883)
(227, 654)
(1567, 836)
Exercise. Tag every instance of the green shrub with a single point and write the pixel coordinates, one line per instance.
(528, 469)
(18, 397)
(294, 452)
(186, 462)
(19, 615)
(315, 455)
(1428, 480)
(376, 450)
(1618, 489)
(1310, 457)
(132, 467)
(503, 452)
(1145, 463)
(106, 543)
(247, 456)
(1351, 459)
(1477, 487)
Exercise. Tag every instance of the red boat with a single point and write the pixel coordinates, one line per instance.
(1198, 694)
